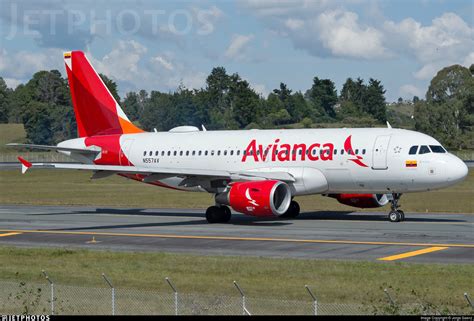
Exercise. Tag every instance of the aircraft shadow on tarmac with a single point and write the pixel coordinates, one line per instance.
(238, 219)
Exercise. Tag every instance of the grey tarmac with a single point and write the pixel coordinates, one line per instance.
(431, 237)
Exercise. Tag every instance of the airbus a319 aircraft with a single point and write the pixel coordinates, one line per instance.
(255, 172)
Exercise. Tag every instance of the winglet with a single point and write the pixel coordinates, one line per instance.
(24, 164)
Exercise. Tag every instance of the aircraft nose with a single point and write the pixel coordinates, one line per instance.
(456, 169)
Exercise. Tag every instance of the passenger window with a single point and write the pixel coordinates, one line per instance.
(181, 153)
(231, 152)
(212, 153)
(335, 152)
(424, 149)
(342, 152)
(169, 153)
(225, 152)
(357, 151)
(199, 153)
(238, 152)
(205, 153)
(413, 150)
(437, 149)
(144, 153)
(156, 153)
(150, 153)
(218, 153)
(187, 153)
(175, 153)
(162, 153)
(363, 151)
(194, 152)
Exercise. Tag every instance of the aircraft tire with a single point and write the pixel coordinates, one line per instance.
(394, 216)
(218, 214)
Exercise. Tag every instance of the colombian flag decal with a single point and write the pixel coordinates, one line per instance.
(410, 163)
(67, 55)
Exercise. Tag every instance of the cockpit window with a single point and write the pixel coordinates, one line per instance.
(437, 149)
(413, 150)
(424, 149)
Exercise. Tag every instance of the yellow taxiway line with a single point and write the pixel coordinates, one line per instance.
(413, 253)
(232, 238)
(9, 234)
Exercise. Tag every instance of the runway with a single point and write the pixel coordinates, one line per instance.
(438, 238)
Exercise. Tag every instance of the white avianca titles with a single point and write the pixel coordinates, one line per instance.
(255, 172)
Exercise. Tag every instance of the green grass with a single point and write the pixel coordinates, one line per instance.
(47, 187)
(333, 281)
(11, 133)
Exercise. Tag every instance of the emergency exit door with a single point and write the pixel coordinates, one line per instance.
(379, 153)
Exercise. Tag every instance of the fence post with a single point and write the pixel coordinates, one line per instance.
(469, 300)
(52, 290)
(175, 295)
(315, 301)
(244, 308)
(113, 292)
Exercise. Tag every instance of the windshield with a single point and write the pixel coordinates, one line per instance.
(437, 149)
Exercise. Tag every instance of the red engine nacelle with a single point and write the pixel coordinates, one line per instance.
(258, 198)
(362, 200)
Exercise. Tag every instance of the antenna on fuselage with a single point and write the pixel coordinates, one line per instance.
(154, 129)
(388, 125)
(203, 128)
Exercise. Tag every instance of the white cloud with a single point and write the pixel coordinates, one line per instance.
(23, 64)
(408, 91)
(294, 24)
(237, 47)
(469, 60)
(12, 82)
(260, 89)
(162, 61)
(344, 36)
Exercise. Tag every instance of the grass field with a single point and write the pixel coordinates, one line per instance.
(46, 187)
(333, 281)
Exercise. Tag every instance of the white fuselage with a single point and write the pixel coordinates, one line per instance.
(376, 161)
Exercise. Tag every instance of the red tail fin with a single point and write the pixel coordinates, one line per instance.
(97, 112)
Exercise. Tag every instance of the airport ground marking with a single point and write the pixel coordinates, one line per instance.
(10, 234)
(235, 238)
(413, 253)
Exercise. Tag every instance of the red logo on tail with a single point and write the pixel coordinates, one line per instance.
(348, 148)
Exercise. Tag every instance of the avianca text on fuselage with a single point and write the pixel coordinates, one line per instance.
(287, 152)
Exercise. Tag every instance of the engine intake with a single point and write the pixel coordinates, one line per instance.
(361, 200)
(257, 198)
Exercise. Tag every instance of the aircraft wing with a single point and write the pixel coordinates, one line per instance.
(163, 171)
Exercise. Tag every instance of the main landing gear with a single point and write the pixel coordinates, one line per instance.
(218, 214)
(292, 211)
(395, 215)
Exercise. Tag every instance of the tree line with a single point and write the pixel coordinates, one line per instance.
(227, 101)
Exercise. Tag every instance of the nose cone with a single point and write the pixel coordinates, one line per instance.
(456, 169)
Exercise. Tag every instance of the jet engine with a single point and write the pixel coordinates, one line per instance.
(361, 200)
(257, 198)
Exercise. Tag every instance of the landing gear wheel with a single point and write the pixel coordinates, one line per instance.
(227, 214)
(292, 211)
(394, 216)
(402, 215)
(216, 214)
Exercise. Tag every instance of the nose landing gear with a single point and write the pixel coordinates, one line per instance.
(395, 215)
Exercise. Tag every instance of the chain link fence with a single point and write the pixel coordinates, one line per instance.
(39, 298)
(39, 157)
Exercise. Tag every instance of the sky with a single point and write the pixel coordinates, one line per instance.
(160, 45)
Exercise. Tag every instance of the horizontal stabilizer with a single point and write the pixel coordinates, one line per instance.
(57, 148)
